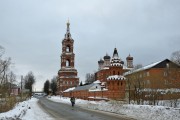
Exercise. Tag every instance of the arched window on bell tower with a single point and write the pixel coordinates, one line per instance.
(67, 63)
(67, 48)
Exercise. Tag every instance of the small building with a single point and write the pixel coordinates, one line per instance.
(15, 89)
(92, 91)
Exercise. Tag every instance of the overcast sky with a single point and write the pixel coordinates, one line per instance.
(31, 31)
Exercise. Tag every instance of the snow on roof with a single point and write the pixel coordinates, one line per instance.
(106, 68)
(116, 77)
(69, 89)
(98, 89)
(143, 68)
(103, 83)
(85, 87)
(97, 81)
(125, 67)
(69, 77)
(116, 64)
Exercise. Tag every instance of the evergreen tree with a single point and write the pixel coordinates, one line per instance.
(81, 84)
(46, 87)
(54, 85)
(29, 81)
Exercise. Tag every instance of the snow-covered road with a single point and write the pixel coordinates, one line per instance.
(67, 112)
(30, 110)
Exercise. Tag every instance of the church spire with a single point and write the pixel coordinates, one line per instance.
(68, 34)
(115, 54)
(68, 24)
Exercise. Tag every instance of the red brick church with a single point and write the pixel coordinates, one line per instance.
(110, 82)
(110, 74)
(67, 75)
(116, 79)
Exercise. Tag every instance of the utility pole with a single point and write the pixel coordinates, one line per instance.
(21, 87)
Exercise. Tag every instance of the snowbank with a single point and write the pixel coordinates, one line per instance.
(140, 112)
(27, 110)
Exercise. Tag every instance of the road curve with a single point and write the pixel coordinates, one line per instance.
(61, 111)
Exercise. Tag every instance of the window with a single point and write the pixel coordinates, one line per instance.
(68, 48)
(113, 72)
(144, 75)
(148, 82)
(165, 82)
(147, 73)
(167, 65)
(140, 75)
(118, 73)
(67, 63)
(165, 74)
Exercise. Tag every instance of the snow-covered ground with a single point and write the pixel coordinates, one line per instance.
(27, 110)
(140, 112)
(30, 110)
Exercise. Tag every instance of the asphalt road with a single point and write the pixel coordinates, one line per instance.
(61, 111)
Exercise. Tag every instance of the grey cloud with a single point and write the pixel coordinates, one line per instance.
(32, 31)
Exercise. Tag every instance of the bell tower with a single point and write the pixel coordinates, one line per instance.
(67, 75)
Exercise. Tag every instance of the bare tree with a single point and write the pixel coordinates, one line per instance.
(175, 57)
(4, 65)
(11, 80)
(5, 82)
(137, 66)
(90, 78)
(1, 51)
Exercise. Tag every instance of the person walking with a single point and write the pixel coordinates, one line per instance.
(72, 99)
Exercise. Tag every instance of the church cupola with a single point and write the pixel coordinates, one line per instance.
(115, 54)
(129, 60)
(107, 59)
(101, 64)
(116, 61)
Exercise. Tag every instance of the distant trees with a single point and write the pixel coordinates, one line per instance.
(1, 51)
(51, 86)
(137, 66)
(29, 81)
(46, 87)
(4, 66)
(90, 78)
(7, 78)
(54, 85)
(4, 72)
(81, 84)
(175, 57)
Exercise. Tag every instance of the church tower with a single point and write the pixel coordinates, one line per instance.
(129, 60)
(67, 75)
